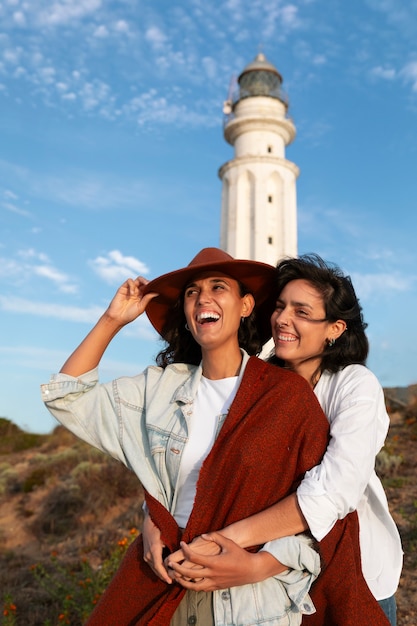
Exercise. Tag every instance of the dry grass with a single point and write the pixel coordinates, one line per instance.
(66, 512)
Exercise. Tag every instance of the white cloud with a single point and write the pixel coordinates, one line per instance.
(115, 268)
(31, 263)
(140, 328)
(409, 72)
(30, 253)
(156, 37)
(151, 108)
(167, 51)
(19, 18)
(10, 194)
(95, 93)
(121, 26)
(234, 6)
(68, 11)
(101, 32)
(289, 16)
(9, 206)
(44, 309)
(387, 73)
(319, 59)
(277, 19)
(12, 56)
(79, 188)
(316, 131)
(19, 72)
(9, 268)
(368, 285)
(210, 66)
(47, 75)
(60, 279)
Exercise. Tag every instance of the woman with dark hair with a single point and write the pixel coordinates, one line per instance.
(319, 333)
(212, 442)
(340, 303)
(314, 298)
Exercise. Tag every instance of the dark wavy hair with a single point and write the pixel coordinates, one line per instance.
(340, 303)
(181, 346)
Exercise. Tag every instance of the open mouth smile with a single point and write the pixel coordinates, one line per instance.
(207, 317)
(287, 338)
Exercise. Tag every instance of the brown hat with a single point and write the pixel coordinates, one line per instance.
(258, 278)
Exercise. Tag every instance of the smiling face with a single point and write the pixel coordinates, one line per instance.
(213, 308)
(300, 329)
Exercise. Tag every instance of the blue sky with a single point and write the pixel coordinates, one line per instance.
(110, 143)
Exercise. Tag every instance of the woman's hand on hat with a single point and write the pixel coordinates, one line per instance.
(129, 301)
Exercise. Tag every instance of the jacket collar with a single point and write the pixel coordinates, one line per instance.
(187, 392)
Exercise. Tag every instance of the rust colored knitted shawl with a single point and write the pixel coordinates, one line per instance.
(275, 431)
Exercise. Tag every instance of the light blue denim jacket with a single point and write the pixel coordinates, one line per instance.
(143, 422)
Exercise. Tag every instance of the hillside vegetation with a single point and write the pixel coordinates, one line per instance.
(68, 512)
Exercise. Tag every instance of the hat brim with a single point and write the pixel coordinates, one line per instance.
(258, 278)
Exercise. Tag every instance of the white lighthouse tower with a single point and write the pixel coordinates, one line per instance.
(259, 210)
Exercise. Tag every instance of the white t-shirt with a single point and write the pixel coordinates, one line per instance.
(213, 400)
(353, 401)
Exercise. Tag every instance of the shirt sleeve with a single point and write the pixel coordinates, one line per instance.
(303, 562)
(86, 408)
(354, 403)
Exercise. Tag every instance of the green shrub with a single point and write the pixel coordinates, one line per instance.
(9, 480)
(36, 478)
(73, 588)
(387, 464)
(13, 439)
(60, 511)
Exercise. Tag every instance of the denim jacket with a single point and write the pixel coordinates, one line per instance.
(143, 422)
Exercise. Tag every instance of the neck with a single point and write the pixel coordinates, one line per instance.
(217, 366)
(309, 370)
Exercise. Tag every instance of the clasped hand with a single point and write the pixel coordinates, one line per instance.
(209, 563)
(214, 562)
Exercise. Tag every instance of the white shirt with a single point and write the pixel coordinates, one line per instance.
(213, 400)
(353, 401)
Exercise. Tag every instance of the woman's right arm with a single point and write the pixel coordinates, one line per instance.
(74, 396)
(126, 306)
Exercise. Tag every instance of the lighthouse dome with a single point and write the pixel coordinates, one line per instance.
(260, 78)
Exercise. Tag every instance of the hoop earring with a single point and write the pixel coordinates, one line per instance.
(186, 326)
(331, 342)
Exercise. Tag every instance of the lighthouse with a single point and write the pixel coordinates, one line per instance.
(259, 204)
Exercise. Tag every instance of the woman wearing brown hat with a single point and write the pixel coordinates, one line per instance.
(214, 435)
